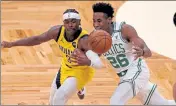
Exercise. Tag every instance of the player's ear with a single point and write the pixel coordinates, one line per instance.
(79, 22)
(109, 20)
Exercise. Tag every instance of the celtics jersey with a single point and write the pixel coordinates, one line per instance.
(67, 47)
(120, 55)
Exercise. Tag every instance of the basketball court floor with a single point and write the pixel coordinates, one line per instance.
(27, 72)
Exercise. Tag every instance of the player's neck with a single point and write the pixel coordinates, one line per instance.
(69, 36)
(110, 29)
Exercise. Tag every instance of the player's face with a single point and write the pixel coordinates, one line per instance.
(71, 25)
(101, 21)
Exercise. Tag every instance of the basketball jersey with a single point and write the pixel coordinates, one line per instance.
(120, 55)
(67, 48)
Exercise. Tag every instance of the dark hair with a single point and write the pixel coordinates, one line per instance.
(71, 10)
(174, 19)
(104, 7)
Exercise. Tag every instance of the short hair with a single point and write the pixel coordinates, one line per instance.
(104, 7)
(175, 19)
(71, 10)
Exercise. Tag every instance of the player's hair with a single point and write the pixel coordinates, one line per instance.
(71, 10)
(105, 8)
(175, 19)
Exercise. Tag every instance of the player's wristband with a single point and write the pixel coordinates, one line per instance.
(95, 59)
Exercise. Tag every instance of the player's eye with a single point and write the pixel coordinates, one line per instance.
(99, 20)
(66, 22)
(73, 21)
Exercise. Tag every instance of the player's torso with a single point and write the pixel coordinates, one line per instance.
(120, 55)
(67, 48)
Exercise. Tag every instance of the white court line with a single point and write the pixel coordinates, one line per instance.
(153, 21)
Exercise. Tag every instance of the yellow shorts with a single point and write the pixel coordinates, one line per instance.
(83, 75)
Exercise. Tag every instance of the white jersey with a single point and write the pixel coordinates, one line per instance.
(120, 55)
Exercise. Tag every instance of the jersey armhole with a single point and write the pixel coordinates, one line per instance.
(120, 32)
(80, 38)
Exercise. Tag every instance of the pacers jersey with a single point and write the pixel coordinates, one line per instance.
(83, 74)
(120, 55)
(67, 48)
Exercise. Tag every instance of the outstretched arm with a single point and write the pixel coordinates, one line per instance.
(34, 40)
(130, 34)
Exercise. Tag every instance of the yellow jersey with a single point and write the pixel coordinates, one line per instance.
(82, 73)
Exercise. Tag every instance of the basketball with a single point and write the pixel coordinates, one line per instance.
(99, 41)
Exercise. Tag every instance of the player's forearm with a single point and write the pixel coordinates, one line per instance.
(94, 59)
(140, 43)
(146, 51)
(31, 41)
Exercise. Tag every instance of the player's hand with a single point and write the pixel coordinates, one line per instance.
(79, 58)
(138, 52)
(5, 44)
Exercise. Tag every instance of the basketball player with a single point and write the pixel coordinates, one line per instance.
(126, 57)
(69, 36)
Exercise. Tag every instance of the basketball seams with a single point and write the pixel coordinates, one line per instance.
(97, 35)
(93, 38)
(100, 41)
(94, 41)
(109, 41)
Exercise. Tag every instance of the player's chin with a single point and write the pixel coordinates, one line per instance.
(72, 32)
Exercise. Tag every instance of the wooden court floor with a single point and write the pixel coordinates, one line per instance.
(27, 72)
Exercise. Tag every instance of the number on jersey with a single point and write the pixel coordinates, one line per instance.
(118, 61)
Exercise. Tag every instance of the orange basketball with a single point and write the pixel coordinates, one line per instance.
(99, 41)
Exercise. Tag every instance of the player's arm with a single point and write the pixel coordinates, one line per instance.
(130, 34)
(33, 40)
(91, 58)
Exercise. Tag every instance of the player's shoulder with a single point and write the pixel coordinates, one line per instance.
(54, 31)
(56, 27)
(118, 25)
(122, 25)
(127, 27)
(84, 34)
